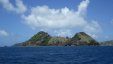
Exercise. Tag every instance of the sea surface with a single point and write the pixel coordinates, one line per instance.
(57, 55)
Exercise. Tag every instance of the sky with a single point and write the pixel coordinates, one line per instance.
(21, 19)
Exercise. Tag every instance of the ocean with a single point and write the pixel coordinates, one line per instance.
(57, 55)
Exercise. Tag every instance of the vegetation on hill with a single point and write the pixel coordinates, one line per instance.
(82, 38)
(58, 41)
(39, 39)
(44, 39)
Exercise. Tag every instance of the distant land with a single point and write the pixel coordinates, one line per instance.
(44, 39)
(107, 43)
(79, 39)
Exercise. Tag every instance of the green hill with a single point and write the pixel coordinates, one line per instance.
(39, 39)
(44, 39)
(82, 38)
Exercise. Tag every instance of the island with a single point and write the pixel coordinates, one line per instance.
(44, 39)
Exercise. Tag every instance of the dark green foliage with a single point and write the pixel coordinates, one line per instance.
(39, 36)
(93, 42)
(42, 37)
(76, 37)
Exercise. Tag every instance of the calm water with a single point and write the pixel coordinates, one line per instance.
(56, 55)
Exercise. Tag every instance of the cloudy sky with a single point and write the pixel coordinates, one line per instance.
(21, 19)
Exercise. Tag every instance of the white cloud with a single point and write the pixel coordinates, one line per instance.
(7, 5)
(19, 8)
(94, 36)
(92, 27)
(3, 33)
(43, 17)
(82, 8)
(61, 33)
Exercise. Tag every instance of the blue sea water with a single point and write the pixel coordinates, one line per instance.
(57, 55)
